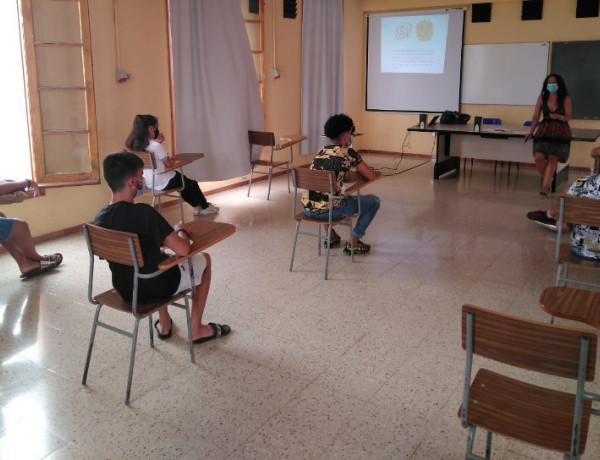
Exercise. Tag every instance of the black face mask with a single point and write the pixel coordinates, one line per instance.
(156, 133)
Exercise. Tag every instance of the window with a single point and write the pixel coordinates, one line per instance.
(59, 91)
(255, 27)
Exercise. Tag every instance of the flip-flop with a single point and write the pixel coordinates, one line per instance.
(163, 336)
(57, 258)
(219, 330)
(45, 265)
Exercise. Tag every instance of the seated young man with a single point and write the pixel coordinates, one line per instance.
(123, 173)
(341, 158)
(585, 241)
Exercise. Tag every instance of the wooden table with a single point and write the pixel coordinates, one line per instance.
(571, 303)
(289, 140)
(182, 159)
(203, 235)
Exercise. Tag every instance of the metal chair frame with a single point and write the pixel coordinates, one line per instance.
(149, 160)
(319, 181)
(578, 211)
(124, 248)
(513, 408)
(267, 139)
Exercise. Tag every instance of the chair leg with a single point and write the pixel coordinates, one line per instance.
(151, 331)
(91, 345)
(189, 327)
(131, 360)
(470, 442)
(181, 207)
(270, 177)
(250, 180)
(327, 248)
(295, 241)
(488, 446)
(288, 177)
(319, 241)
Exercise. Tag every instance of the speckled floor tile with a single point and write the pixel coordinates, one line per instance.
(365, 365)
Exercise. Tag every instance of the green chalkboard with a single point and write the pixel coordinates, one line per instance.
(579, 64)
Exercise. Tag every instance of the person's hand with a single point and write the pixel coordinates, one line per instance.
(35, 187)
(182, 226)
(528, 136)
(160, 139)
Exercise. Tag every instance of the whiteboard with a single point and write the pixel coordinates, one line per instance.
(504, 73)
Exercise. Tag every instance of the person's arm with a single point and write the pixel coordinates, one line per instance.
(13, 186)
(595, 153)
(178, 241)
(535, 117)
(365, 171)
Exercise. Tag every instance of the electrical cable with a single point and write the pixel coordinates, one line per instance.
(394, 170)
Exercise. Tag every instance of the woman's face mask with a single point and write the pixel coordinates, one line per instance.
(552, 87)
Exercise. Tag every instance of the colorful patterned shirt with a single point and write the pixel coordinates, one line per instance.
(585, 241)
(330, 158)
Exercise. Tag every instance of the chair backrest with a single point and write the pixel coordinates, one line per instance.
(147, 157)
(580, 210)
(312, 179)
(113, 246)
(532, 345)
(261, 138)
(492, 121)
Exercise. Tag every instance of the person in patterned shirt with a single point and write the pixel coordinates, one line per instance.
(585, 241)
(348, 165)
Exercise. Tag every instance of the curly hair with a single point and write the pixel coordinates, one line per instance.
(338, 124)
(562, 89)
(138, 138)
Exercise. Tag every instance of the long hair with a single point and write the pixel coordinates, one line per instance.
(562, 89)
(138, 138)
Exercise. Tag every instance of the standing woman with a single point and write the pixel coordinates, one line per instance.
(552, 139)
(145, 136)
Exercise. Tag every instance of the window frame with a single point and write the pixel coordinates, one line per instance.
(34, 108)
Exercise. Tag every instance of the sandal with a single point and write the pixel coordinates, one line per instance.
(359, 248)
(56, 258)
(219, 330)
(45, 265)
(163, 336)
(335, 239)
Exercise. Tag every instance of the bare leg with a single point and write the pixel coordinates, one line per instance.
(164, 321)
(540, 164)
(199, 302)
(549, 173)
(21, 247)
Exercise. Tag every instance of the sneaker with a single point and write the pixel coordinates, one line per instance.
(540, 218)
(335, 240)
(210, 209)
(360, 248)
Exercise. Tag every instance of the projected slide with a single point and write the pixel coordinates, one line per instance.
(414, 60)
(413, 44)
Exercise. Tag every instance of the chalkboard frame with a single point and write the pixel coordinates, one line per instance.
(577, 62)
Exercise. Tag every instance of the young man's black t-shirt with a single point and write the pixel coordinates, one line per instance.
(152, 229)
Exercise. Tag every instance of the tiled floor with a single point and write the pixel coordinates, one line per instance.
(367, 365)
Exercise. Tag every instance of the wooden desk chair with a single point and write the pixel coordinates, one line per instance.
(318, 181)
(576, 211)
(124, 248)
(150, 163)
(547, 418)
(267, 139)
